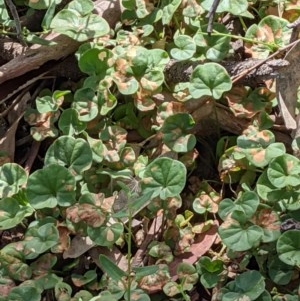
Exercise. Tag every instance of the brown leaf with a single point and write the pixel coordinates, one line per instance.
(287, 85)
(201, 245)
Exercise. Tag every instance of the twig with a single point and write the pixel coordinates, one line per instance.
(243, 74)
(211, 15)
(14, 13)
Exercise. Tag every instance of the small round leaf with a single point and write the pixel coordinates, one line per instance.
(186, 48)
(288, 247)
(210, 79)
(164, 177)
(51, 186)
(175, 132)
(12, 177)
(75, 154)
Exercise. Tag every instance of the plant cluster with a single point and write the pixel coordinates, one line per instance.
(120, 155)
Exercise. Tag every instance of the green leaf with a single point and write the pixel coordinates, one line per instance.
(83, 7)
(240, 238)
(175, 132)
(284, 171)
(106, 235)
(272, 31)
(70, 124)
(81, 280)
(49, 16)
(12, 177)
(42, 4)
(214, 47)
(235, 7)
(111, 269)
(12, 213)
(51, 186)
(247, 286)
(164, 177)
(169, 8)
(4, 16)
(137, 295)
(49, 103)
(209, 79)
(246, 203)
(38, 239)
(186, 48)
(23, 292)
(210, 271)
(71, 24)
(12, 266)
(279, 272)
(95, 62)
(288, 247)
(75, 154)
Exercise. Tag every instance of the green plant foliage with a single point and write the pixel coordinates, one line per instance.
(267, 31)
(215, 48)
(40, 238)
(49, 103)
(249, 285)
(169, 8)
(186, 48)
(284, 171)
(51, 186)
(209, 79)
(164, 177)
(76, 22)
(246, 204)
(236, 7)
(175, 132)
(70, 124)
(209, 271)
(75, 154)
(12, 212)
(24, 293)
(288, 247)
(12, 177)
(240, 237)
(158, 170)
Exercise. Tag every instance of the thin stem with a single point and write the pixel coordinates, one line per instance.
(129, 237)
(243, 23)
(216, 33)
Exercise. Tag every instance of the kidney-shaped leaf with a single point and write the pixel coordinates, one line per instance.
(12, 213)
(164, 177)
(106, 235)
(240, 238)
(71, 24)
(51, 186)
(24, 292)
(38, 239)
(249, 286)
(209, 79)
(75, 154)
(246, 203)
(95, 61)
(12, 177)
(284, 171)
(175, 134)
(215, 48)
(236, 7)
(186, 48)
(288, 247)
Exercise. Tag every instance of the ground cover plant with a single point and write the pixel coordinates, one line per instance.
(149, 150)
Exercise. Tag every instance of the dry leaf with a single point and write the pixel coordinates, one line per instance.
(287, 85)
